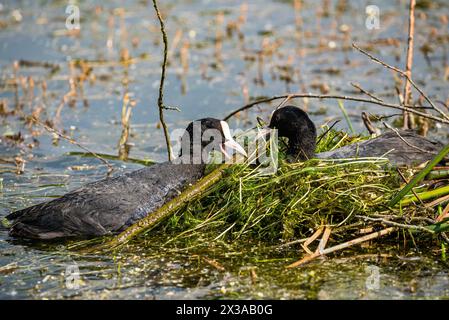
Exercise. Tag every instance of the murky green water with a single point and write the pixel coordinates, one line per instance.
(206, 77)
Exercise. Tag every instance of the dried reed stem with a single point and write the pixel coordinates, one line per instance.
(345, 245)
(409, 63)
(402, 73)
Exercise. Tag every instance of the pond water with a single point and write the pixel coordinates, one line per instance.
(222, 54)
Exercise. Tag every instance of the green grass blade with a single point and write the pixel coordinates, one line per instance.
(439, 192)
(419, 176)
(442, 226)
(345, 114)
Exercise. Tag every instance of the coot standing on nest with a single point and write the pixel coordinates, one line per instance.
(110, 205)
(400, 148)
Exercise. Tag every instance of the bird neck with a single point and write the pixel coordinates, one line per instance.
(301, 149)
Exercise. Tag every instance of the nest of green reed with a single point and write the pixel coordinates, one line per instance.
(343, 202)
(345, 195)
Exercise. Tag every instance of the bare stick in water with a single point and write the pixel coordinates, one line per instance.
(160, 100)
(72, 141)
(350, 243)
(402, 73)
(408, 122)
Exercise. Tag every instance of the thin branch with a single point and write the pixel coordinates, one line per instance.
(160, 100)
(409, 63)
(406, 181)
(402, 73)
(404, 140)
(350, 98)
(357, 86)
(326, 132)
(371, 128)
(350, 243)
(72, 141)
(287, 244)
(406, 218)
(397, 224)
(444, 214)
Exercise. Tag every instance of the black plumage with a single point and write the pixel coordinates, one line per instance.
(399, 147)
(110, 205)
(295, 124)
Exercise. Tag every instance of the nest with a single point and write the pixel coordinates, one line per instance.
(304, 201)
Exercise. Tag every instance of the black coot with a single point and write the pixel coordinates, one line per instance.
(110, 205)
(400, 148)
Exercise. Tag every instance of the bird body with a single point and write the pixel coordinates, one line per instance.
(111, 205)
(398, 146)
(107, 206)
(401, 148)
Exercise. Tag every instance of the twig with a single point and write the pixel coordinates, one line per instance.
(397, 224)
(324, 239)
(402, 73)
(72, 141)
(444, 236)
(403, 139)
(324, 96)
(211, 262)
(409, 63)
(171, 108)
(160, 100)
(284, 102)
(312, 238)
(350, 243)
(371, 128)
(419, 176)
(346, 116)
(386, 216)
(406, 181)
(357, 86)
(443, 104)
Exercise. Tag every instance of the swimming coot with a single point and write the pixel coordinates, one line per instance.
(109, 206)
(400, 148)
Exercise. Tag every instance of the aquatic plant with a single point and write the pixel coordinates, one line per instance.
(346, 201)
